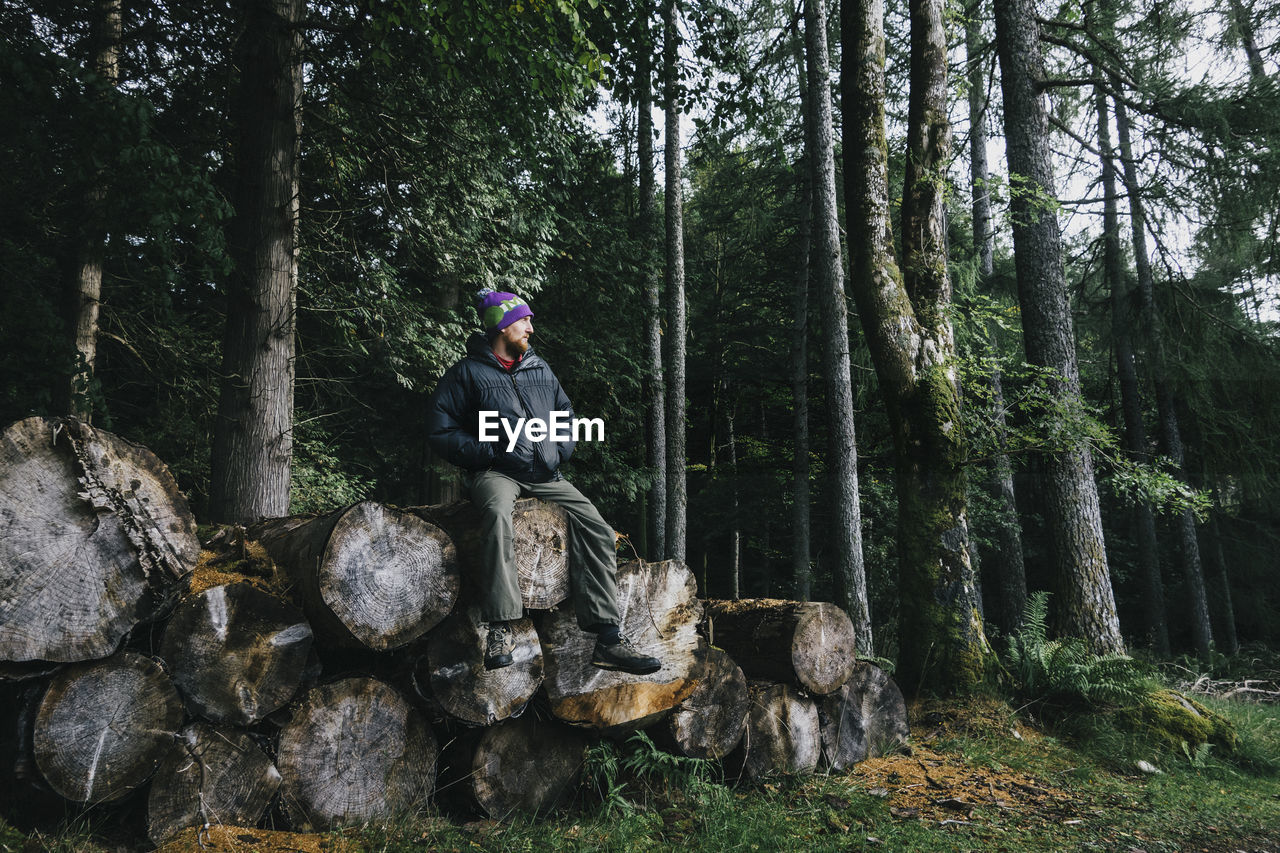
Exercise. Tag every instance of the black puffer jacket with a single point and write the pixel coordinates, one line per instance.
(479, 383)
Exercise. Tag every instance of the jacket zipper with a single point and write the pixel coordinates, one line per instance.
(519, 396)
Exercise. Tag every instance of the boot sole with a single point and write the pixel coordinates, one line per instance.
(616, 667)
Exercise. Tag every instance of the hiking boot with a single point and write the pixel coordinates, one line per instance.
(624, 657)
(499, 645)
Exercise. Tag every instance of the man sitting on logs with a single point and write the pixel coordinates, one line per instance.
(503, 379)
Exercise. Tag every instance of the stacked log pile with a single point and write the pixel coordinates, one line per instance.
(313, 668)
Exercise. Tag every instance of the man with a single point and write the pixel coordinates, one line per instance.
(501, 374)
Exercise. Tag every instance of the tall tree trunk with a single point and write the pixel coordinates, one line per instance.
(801, 568)
(1166, 404)
(1010, 572)
(735, 528)
(657, 503)
(253, 435)
(1244, 28)
(677, 484)
(942, 643)
(1085, 606)
(1155, 629)
(84, 283)
(850, 573)
(1226, 621)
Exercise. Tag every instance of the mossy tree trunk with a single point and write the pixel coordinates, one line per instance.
(904, 316)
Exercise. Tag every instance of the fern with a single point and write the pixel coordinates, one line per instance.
(644, 771)
(1065, 671)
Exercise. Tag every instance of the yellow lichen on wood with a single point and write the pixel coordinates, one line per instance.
(245, 562)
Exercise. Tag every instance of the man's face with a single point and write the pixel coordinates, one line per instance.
(517, 335)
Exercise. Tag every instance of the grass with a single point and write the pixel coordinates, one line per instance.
(1029, 791)
(980, 777)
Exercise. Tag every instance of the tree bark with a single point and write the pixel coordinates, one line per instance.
(1156, 630)
(1010, 570)
(354, 751)
(102, 727)
(1166, 403)
(850, 572)
(366, 574)
(677, 481)
(809, 644)
(782, 734)
(541, 542)
(93, 536)
(1085, 605)
(801, 563)
(656, 396)
(865, 718)
(210, 776)
(460, 683)
(906, 322)
(1226, 621)
(735, 505)
(84, 287)
(253, 432)
(1244, 27)
(983, 232)
(525, 766)
(660, 613)
(710, 721)
(236, 653)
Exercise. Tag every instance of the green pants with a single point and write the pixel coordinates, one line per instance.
(593, 564)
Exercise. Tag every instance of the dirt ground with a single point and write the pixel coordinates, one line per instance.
(944, 787)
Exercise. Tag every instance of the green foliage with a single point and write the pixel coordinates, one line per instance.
(1064, 673)
(320, 481)
(1039, 419)
(637, 774)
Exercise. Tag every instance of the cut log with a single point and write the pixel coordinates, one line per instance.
(541, 534)
(806, 643)
(367, 575)
(460, 684)
(93, 537)
(710, 721)
(660, 614)
(236, 653)
(102, 727)
(212, 775)
(523, 766)
(865, 718)
(354, 751)
(782, 735)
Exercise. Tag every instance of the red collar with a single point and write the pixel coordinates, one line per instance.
(507, 363)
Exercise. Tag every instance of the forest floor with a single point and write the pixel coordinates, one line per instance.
(980, 776)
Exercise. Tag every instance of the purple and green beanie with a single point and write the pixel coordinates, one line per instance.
(498, 310)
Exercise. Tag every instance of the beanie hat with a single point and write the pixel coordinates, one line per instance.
(498, 310)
